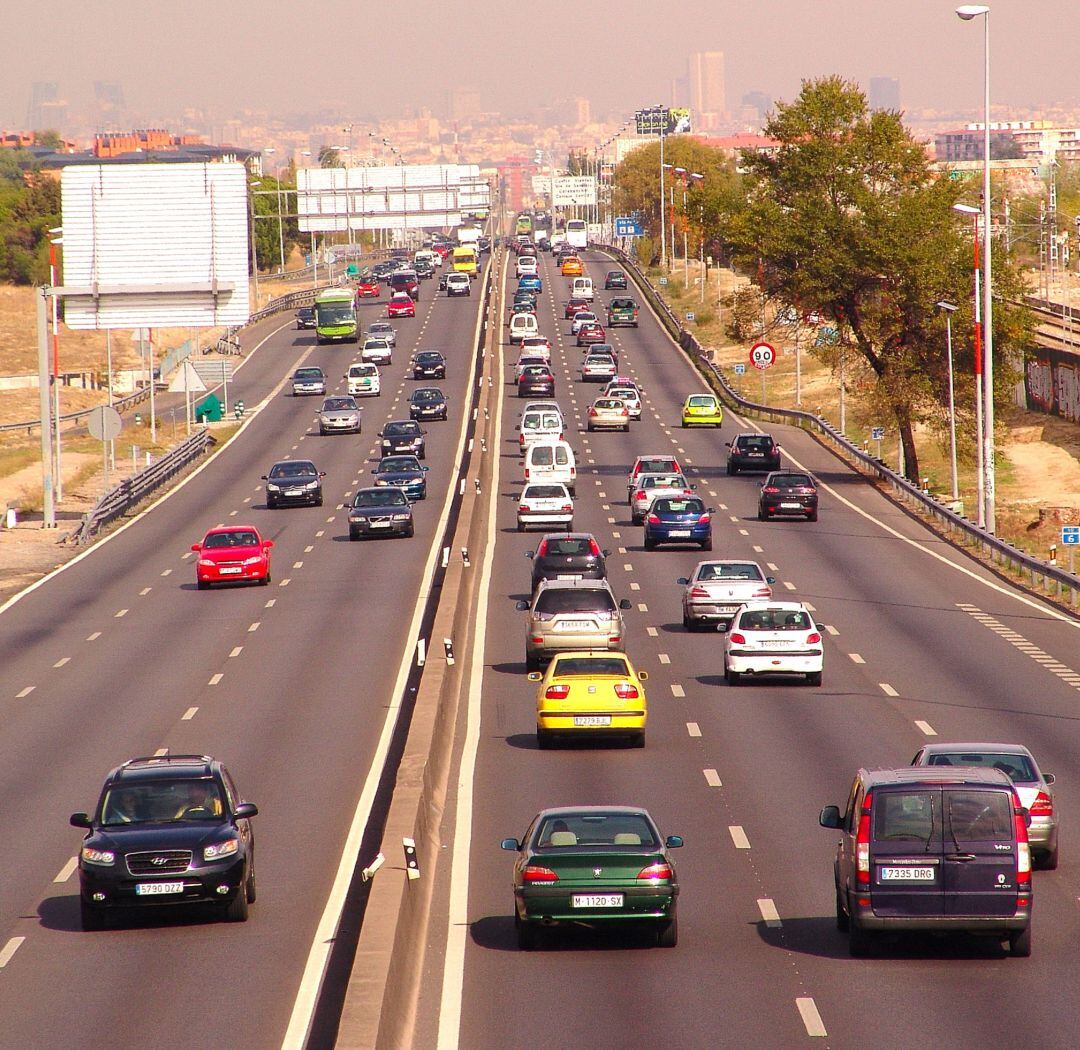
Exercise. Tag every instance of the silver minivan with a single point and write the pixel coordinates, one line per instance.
(571, 615)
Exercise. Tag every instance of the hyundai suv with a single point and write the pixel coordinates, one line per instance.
(167, 830)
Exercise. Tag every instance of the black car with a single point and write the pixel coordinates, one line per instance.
(536, 381)
(424, 270)
(294, 481)
(403, 435)
(404, 473)
(568, 555)
(380, 512)
(168, 829)
(382, 270)
(752, 452)
(788, 492)
(429, 364)
(305, 317)
(526, 304)
(615, 279)
(428, 402)
(405, 281)
(442, 279)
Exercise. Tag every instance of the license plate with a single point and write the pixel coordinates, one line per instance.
(791, 506)
(569, 576)
(726, 608)
(293, 492)
(576, 625)
(907, 875)
(592, 720)
(230, 570)
(379, 524)
(597, 900)
(157, 889)
(778, 644)
(677, 534)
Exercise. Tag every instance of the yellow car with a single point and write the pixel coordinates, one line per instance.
(702, 410)
(571, 267)
(590, 694)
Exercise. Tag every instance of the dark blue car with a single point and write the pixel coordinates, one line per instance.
(678, 519)
(530, 283)
(405, 473)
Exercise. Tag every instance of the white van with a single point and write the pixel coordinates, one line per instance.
(539, 425)
(364, 380)
(551, 462)
(426, 255)
(522, 325)
(582, 288)
(526, 266)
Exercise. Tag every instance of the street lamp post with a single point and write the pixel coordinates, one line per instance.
(980, 478)
(949, 309)
(967, 12)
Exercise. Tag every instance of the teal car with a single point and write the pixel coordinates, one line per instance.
(598, 866)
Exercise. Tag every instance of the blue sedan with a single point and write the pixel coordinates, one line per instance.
(681, 519)
(405, 473)
(530, 283)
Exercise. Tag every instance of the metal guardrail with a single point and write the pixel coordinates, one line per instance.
(288, 301)
(77, 417)
(1042, 576)
(131, 491)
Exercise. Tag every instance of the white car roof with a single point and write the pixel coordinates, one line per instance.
(779, 606)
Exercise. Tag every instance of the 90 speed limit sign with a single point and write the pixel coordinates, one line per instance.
(762, 355)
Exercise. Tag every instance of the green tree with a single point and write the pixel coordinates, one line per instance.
(329, 157)
(848, 219)
(274, 227)
(50, 139)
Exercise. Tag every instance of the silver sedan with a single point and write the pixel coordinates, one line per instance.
(339, 415)
(714, 591)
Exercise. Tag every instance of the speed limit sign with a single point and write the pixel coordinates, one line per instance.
(762, 356)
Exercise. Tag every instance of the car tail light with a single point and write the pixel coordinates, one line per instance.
(594, 548)
(738, 639)
(535, 873)
(1043, 806)
(524, 507)
(813, 638)
(526, 472)
(763, 592)
(1023, 850)
(660, 872)
(557, 692)
(772, 490)
(592, 411)
(862, 843)
(573, 472)
(541, 551)
(640, 494)
(704, 519)
(626, 691)
(626, 411)
(699, 592)
(567, 507)
(654, 519)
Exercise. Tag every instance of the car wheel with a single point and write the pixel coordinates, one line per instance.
(733, 677)
(688, 623)
(637, 740)
(761, 515)
(265, 581)
(812, 516)
(706, 545)
(532, 663)
(732, 470)
(322, 432)
(626, 429)
(521, 526)
(318, 501)
(1020, 943)
(684, 424)
(412, 530)
(589, 427)
(650, 544)
(528, 936)
(271, 504)
(203, 585)
(859, 940)
(544, 740)
(842, 920)
(353, 534)
(1049, 861)
(667, 935)
(250, 889)
(92, 918)
(813, 678)
(237, 909)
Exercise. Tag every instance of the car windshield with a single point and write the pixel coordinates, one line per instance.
(308, 373)
(360, 371)
(426, 396)
(791, 481)
(678, 506)
(396, 463)
(294, 469)
(338, 404)
(1018, 768)
(557, 602)
(380, 498)
(162, 801)
(755, 443)
(401, 430)
(335, 313)
(236, 538)
(631, 830)
(775, 620)
(741, 571)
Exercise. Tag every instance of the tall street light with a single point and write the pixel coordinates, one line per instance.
(949, 309)
(980, 473)
(967, 12)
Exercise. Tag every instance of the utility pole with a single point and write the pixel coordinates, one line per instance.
(47, 505)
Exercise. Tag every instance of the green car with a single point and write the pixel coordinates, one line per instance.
(622, 311)
(594, 866)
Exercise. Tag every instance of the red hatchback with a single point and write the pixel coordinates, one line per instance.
(574, 306)
(368, 288)
(401, 305)
(589, 334)
(235, 554)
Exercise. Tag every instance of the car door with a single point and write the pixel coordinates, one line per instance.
(906, 851)
(980, 851)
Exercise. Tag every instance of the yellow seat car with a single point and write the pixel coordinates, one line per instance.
(571, 267)
(702, 410)
(590, 694)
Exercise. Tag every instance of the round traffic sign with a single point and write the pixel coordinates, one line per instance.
(104, 423)
(762, 355)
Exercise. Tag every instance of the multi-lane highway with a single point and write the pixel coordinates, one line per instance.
(921, 643)
(119, 656)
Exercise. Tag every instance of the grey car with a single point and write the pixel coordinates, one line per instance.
(307, 381)
(339, 415)
(714, 591)
(1034, 787)
(570, 615)
(383, 330)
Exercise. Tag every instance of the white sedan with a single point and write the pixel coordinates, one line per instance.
(377, 352)
(714, 592)
(582, 318)
(545, 504)
(773, 638)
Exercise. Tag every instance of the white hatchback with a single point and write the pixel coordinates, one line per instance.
(773, 638)
(377, 352)
(526, 266)
(364, 380)
(546, 504)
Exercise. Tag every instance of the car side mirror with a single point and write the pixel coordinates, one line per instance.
(673, 841)
(535, 676)
(693, 488)
(267, 544)
(521, 606)
(264, 477)
(830, 817)
(245, 810)
(770, 579)
(643, 676)
(80, 820)
(624, 603)
(425, 469)
(528, 554)
(517, 427)
(727, 444)
(510, 844)
(683, 581)
(196, 547)
(606, 553)
(1049, 778)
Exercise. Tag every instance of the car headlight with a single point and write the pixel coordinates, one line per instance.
(381, 481)
(271, 487)
(221, 849)
(104, 857)
(401, 517)
(312, 485)
(354, 516)
(206, 563)
(254, 560)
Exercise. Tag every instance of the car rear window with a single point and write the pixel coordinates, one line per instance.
(544, 492)
(748, 571)
(755, 443)
(678, 506)
(655, 465)
(978, 816)
(1018, 768)
(791, 481)
(904, 816)
(596, 829)
(565, 548)
(775, 620)
(664, 481)
(557, 602)
(703, 401)
(542, 455)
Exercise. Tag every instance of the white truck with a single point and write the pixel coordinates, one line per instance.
(468, 235)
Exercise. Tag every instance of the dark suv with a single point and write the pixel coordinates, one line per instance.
(932, 848)
(568, 555)
(405, 281)
(167, 830)
(752, 452)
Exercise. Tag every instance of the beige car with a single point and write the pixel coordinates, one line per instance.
(608, 413)
(567, 615)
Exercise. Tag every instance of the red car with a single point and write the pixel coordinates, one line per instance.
(368, 288)
(441, 250)
(233, 554)
(573, 306)
(589, 334)
(401, 305)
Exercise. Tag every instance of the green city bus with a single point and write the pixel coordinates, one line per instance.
(335, 316)
(524, 224)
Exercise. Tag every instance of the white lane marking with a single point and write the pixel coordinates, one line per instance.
(856, 658)
(772, 566)
(642, 607)
(308, 549)
(616, 535)
(145, 591)
(331, 518)
(254, 627)
(1021, 644)
(769, 913)
(832, 630)
(664, 658)
(186, 555)
(722, 506)
(167, 572)
(652, 632)
(789, 585)
(620, 550)
(285, 582)
(161, 752)
(298, 565)
(215, 678)
(712, 778)
(237, 650)
(733, 517)
(738, 836)
(270, 603)
(9, 950)
(627, 567)
(635, 586)
(320, 533)
(94, 637)
(743, 532)
(677, 690)
(67, 870)
(611, 521)
(122, 612)
(693, 729)
(811, 1019)
(189, 714)
(63, 660)
(925, 727)
(888, 689)
(25, 692)
(758, 550)
(233, 513)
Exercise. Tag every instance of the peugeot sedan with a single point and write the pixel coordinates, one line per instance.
(429, 364)
(428, 402)
(715, 590)
(787, 492)
(773, 638)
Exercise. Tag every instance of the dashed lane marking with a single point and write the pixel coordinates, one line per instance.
(122, 612)
(832, 630)
(254, 627)
(663, 658)
(189, 714)
(677, 690)
(811, 1019)
(215, 678)
(9, 950)
(63, 660)
(888, 689)
(693, 729)
(67, 870)
(925, 727)
(167, 572)
(94, 637)
(856, 658)
(738, 836)
(652, 632)
(769, 913)
(712, 778)
(236, 651)
(25, 692)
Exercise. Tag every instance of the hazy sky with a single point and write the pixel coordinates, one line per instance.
(300, 55)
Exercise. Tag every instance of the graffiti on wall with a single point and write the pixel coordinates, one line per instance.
(1052, 383)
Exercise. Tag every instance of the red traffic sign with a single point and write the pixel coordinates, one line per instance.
(762, 355)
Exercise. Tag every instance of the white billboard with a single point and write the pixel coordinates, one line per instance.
(413, 196)
(574, 189)
(155, 245)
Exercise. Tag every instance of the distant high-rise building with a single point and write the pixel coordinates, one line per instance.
(582, 111)
(680, 92)
(464, 103)
(708, 98)
(47, 109)
(108, 94)
(884, 93)
(758, 101)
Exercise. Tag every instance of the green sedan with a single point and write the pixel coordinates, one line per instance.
(594, 866)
